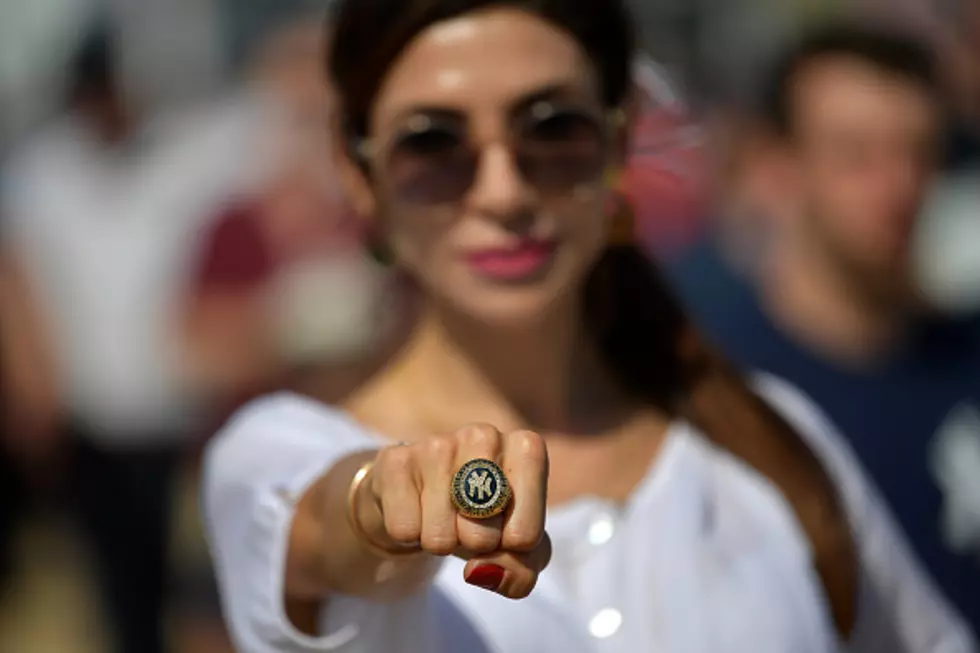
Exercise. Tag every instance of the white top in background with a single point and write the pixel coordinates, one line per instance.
(109, 240)
(706, 557)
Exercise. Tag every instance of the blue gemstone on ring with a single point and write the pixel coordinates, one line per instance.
(480, 489)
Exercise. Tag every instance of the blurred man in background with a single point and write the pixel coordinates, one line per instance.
(101, 214)
(70, 235)
(855, 117)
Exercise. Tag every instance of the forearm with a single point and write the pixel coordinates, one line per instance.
(28, 369)
(32, 397)
(739, 421)
(326, 556)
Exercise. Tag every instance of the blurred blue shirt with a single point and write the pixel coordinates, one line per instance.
(914, 421)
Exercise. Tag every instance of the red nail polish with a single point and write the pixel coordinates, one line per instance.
(488, 577)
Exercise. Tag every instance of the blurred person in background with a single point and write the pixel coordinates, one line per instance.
(284, 293)
(952, 28)
(947, 260)
(969, 104)
(36, 41)
(102, 210)
(855, 118)
(959, 47)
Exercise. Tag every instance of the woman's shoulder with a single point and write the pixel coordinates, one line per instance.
(792, 403)
(819, 432)
(748, 507)
(743, 483)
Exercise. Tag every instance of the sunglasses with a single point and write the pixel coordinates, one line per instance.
(557, 149)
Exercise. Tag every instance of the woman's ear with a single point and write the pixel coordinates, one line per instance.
(623, 121)
(621, 128)
(356, 186)
(353, 173)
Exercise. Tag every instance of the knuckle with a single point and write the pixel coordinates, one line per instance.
(479, 435)
(528, 446)
(396, 457)
(403, 531)
(522, 538)
(439, 544)
(381, 461)
(484, 541)
(440, 449)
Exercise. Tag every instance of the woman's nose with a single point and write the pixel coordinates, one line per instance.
(499, 190)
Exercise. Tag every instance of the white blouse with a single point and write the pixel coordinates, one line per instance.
(706, 557)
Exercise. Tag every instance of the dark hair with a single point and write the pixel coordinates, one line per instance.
(370, 34)
(628, 307)
(893, 53)
(92, 70)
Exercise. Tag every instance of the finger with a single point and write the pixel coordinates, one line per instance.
(435, 459)
(509, 574)
(395, 483)
(478, 536)
(526, 466)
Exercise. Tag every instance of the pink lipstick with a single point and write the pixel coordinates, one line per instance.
(525, 259)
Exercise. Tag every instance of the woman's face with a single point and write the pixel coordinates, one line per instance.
(488, 151)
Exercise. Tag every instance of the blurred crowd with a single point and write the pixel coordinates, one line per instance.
(175, 240)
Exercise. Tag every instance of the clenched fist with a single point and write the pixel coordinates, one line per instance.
(406, 503)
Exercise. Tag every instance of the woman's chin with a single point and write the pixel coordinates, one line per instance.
(513, 307)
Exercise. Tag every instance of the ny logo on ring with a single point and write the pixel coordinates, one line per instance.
(480, 485)
(480, 489)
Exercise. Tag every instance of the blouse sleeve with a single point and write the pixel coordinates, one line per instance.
(256, 470)
(900, 608)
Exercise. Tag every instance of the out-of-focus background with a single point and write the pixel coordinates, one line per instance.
(175, 241)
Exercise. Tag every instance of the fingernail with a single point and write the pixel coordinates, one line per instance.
(489, 577)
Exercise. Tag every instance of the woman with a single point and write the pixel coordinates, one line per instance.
(480, 133)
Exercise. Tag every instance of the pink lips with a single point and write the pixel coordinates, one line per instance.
(513, 263)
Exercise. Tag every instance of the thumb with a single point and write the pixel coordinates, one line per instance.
(513, 575)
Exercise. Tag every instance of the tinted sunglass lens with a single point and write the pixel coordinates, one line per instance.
(431, 166)
(561, 149)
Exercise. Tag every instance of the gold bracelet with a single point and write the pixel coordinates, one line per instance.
(355, 524)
